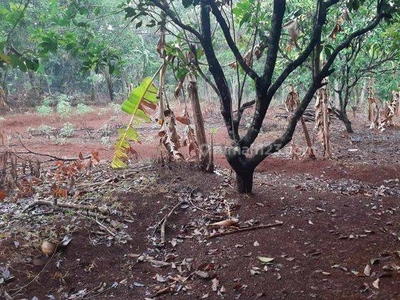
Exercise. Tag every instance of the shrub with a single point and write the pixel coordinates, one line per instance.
(83, 109)
(67, 130)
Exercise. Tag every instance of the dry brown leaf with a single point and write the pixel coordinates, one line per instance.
(183, 119)
(2, 195)
(158, 263)
(265, 260)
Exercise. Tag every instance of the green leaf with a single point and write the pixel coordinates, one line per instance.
(31, 64)
(139, 24)
(129, 12)
(143, 95)
(187, 3)
(5, 58)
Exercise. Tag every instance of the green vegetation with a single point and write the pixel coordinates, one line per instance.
(67, 130)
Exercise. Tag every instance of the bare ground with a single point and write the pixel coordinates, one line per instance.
(323, 229)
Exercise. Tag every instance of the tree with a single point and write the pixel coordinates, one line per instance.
(56, 44)
(366, 57)
(305, 43)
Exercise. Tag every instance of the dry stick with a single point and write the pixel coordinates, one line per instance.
(104, 227)
(49, 155)
(245, 229)
(61, 205)
(163, 221)
(65, 206)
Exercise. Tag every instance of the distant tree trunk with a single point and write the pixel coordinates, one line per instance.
(362, 95)
(342, 116)
(343, 94)
(110, 86)
(336, 93)
(3, 86)
(35, 90)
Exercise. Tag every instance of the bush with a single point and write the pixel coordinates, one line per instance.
(64, 108)
(83, 109)
(44, 110)
(67, 130)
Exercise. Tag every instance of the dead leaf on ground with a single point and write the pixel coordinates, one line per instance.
(214, 284)
(367, 270)
(265, 260)
(375, 284)
(160, 278)
(339, 267)
(202, 274)
(374, 261)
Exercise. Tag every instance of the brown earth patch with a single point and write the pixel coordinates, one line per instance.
(334, 223)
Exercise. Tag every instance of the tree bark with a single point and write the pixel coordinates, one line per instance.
(244, 181)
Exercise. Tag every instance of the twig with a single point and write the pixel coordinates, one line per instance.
(104, 227)
(61, 205)
(245, 229)
(51, 156)
(68, 206)
(36, 277)
(163, 221)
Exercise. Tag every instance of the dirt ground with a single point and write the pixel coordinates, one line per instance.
(314, 229)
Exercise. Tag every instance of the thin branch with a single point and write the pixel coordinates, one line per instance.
(215, 68)
(315, 39)
(275, 36)
(163, 222)
(17, 21)
(34, 278)
(49, 155)
(245, 229)
(176, 20)
(231, 43)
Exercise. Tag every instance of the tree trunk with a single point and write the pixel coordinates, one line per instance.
(327, 138)
(243, 168)
(362, 96)
(244, 181)
(342, 115)
(110, 87)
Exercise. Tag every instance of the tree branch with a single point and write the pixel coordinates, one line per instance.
(315, 40)
(216, 71)
(17, 21)
(326, 70)
(275, 36)
(175, 19)
(231, 43)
